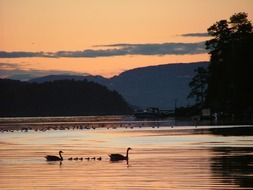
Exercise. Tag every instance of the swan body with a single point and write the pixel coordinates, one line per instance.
(118, 157)
(55, 158)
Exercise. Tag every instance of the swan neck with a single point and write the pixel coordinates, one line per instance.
(60, 156)
(127, 153)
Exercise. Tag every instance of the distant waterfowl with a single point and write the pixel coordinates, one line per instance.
(93, 158)
(76, 158)
(81, 158)
(88, 158)
(117, 157)
(99, 158)
(70, 158)
(54, 158)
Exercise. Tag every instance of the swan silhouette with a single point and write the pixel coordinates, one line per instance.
(54, 158)
(118, 157)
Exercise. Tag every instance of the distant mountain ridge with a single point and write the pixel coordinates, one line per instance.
(164, 86)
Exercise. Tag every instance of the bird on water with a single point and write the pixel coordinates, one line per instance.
(118, 157)
(54, 158)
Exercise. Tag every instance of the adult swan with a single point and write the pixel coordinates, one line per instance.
(54, 158)
(118, 157)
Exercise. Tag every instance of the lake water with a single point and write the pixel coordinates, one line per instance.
(163, 156)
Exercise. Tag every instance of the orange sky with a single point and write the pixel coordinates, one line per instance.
(78, 25)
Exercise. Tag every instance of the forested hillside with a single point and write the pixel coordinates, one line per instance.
(59, 98)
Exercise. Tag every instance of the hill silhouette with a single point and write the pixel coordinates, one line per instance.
(159, 86)
(59, 98)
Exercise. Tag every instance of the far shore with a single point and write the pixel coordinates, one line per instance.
(109, 122)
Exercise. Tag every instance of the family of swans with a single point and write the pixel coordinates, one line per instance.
(113, 157)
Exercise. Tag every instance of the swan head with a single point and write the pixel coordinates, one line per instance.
(129, 148)
(60, 152)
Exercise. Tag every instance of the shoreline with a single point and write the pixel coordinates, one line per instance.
(107, 122)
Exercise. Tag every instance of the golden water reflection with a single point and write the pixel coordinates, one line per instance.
(160, 159)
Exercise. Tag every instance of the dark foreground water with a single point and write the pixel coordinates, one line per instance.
(168, 157)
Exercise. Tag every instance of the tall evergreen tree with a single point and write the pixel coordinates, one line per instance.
(230, 86)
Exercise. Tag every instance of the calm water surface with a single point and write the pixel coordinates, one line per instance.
(162, 158)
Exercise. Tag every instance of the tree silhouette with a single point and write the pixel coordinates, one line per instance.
(231, 65)
(229, 75)
(198, 86)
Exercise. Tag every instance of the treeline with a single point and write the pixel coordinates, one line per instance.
(59, 98)
(226, 86)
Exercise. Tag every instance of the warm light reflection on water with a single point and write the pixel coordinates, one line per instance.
(162, 158)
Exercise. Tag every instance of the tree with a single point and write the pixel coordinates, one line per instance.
(198, 86)
(231, 65)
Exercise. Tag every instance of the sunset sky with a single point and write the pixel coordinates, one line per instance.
(106, 37)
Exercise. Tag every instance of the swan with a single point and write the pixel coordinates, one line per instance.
(54, 158)
(117, 157)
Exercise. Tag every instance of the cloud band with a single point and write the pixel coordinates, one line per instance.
(204, 34)
(117, 50)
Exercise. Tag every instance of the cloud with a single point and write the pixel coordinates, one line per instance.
(161, 49)
(8, 66)
(7, 71)
(204, 34)
(18, 54)
(118, 50)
